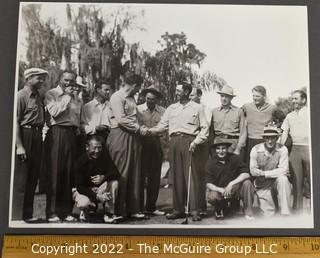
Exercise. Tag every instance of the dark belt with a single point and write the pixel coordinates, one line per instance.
(33, 127)
(180, 134)
(227, 136)
(69, 127)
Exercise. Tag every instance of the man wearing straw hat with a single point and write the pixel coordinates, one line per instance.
(149, 114)
(30, 121)
(228, 121)
(228, 179)
(269, 165)
(188, 128)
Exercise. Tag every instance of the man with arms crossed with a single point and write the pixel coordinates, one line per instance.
(269, 165)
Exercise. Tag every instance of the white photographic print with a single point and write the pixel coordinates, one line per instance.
(161, 116)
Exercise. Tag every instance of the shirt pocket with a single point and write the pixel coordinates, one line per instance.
(192, 119)
(234, 122)
(33, 107)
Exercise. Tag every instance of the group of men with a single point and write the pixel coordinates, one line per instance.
(219, 156)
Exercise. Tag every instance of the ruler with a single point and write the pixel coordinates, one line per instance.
(155, 246)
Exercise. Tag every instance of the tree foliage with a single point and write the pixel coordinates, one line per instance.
(172, 64)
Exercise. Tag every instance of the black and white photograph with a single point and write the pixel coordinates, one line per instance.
(161, 116)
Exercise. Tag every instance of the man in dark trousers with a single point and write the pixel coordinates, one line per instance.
(63, 105)
(228, 179)
(149, 115)
(96, 181)
(188, 128)
(30, 121)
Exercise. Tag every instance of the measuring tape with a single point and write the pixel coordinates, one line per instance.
(147, 246)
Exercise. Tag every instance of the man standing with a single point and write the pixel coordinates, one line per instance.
(63, 105)
(96, 181)
(228, 179)
(258, 114)
(95, 114)
(297, 125)
(149, 115)
(203, 148)
(124, 146)
(188, 128)
(269, 165)
(228, 122)
(30, 121)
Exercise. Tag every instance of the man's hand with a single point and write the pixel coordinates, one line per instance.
(69, 91)
(228, 191)
(21, 153)
(237, 151)
(144, 130)
(98, 179)
(221, 190)
(257, 172)
(192, 147)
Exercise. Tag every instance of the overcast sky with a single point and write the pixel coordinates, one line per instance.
(246, 45)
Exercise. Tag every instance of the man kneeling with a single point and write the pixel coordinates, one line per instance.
(96, 181)
(228, 180)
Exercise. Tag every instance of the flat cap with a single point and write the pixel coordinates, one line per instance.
(33, 71)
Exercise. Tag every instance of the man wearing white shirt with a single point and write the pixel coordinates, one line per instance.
(297, 125)
(95, 114)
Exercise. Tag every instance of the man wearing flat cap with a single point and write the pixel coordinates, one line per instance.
(227, 179)
(269, 165)
(188, 127)
(149, 114)
(228, 121)
(30, 121)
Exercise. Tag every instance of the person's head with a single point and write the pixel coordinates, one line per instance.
(226, 95)
(35, 77)
(270, 136)
(278, 117)
(94, 147)
(151, 100)
(259, 95)
(196, 95)
(133, 81)
(299, 99)
(183, 91)
(151, 95)
(220, 147)
(103, 89)
(68, 79)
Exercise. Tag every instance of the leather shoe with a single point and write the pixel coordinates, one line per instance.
(33, 220)
(196, 217)
(175, 216)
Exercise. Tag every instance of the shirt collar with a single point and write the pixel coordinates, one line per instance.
(230, 107)
(265, 106)
(145, 108)
(97, 103)
(30, 92)
(59, 90)
(124, 93)
(303, 109)
(216, 160)
(262, 148)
